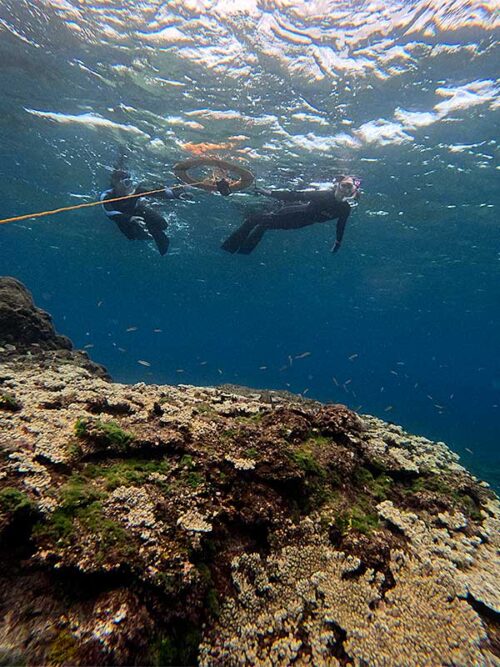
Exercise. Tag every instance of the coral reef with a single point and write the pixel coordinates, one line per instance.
(159, 525)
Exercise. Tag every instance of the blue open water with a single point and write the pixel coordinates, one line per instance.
(402, 323)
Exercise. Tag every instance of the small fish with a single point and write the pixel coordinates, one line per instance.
(87, 347)
(283, 368)
(122, 349)
(143, 363)
(382, 389)
(132, 329)
(388, 408)
(262, 368)
(303, 355)
(394, 372)
(415, 385)
(305, 392)
(347, 382)
(439, 407)
(290, 360)
(179, 370)
(353, 356)
(157, 330)
(400, 363)
(203, 363)
(358, 408)
(430, 397)
(452, 396)
(99, 304)
(469, 450)
(219, 371)
(335, 381)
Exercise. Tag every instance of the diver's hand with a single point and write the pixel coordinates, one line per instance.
(335, 247)
(263, 191)
(177, 192)
(137, 219)
(172, 193)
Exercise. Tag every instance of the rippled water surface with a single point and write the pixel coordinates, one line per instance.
(403, 322)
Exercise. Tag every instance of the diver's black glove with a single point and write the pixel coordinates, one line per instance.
(223, 187)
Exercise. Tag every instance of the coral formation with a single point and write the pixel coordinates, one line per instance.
(181, 525)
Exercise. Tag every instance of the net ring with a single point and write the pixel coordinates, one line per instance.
(244, 179)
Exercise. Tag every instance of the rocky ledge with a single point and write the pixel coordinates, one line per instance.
(158, 525)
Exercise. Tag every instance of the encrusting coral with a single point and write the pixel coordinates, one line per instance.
(185, 525)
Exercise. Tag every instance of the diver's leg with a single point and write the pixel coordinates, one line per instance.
(156, 225)
(252, 240)
(233, 242)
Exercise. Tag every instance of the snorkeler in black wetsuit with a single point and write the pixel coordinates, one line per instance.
(135, 220)
(315, 206)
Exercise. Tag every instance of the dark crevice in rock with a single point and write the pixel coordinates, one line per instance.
(491, 620)
(356, 572)
(56, 466)
(52, 405)
(145, 451)
(337, 648)
(483, 610)
(229, 540)
(98, 406)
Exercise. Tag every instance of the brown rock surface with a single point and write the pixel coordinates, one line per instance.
(24, 328)
(182, 525)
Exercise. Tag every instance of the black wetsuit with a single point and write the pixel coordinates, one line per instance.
(122, 212)
(315, 206)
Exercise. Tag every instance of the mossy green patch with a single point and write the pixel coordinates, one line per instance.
(188, 474)
(254, 418)
(129, 472)
(108, 433)
(205, 409)
(81, 427)
(378, 486)
(194, 479)
(63, 649)
(12, 500)
(319, 485)
(315, 440)
(461, 499)
(187, 461)
(64, 528)
(251, 453)
(357, 518)
(363, 521)
(74, 449)
(77, 493)
(9, 402)
(229, 434)
(80, 507)
(305, 460)
(178, 647)
(212, 604)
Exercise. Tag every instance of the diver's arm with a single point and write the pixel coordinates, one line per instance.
(341, 223)
(168, 192)
(316, 196)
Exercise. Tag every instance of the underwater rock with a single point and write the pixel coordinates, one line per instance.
(180, 525)
(24, 328)
(22, 323)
